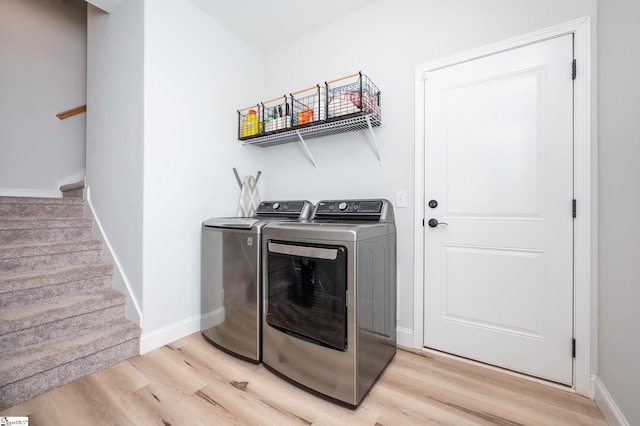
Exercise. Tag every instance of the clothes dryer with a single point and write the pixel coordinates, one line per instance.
(329, 316)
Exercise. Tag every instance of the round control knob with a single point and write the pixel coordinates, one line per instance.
(342, 206)
(276, 206)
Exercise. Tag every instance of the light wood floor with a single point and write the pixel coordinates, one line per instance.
(190, 382)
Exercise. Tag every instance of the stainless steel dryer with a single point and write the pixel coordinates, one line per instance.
(231, 276)
(329, 317)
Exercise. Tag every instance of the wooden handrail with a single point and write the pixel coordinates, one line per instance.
(71, 112)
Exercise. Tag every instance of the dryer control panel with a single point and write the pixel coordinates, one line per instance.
(378, 210)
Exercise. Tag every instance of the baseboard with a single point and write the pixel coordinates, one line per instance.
(404, 337)
(26, 192)
(120, 281)
(165, 335)
(608, 406)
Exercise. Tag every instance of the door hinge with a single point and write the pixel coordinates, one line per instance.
(573, 348)
(573, 70)
(574, 208)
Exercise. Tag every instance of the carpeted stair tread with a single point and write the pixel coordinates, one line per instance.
(73, 190)
(15, 318)
(17, 231)
(43, 223)
(10, 251)
(72, 186)
(65, 327)
(35, 295)
(17, 258)
(36, 279)
(27, 361)
(40, 200)
(31, 207)
(60, 375)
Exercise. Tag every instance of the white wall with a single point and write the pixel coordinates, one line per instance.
(115, 135)
(42, 72)
(619, 203)
(196, 75)
(386, 41)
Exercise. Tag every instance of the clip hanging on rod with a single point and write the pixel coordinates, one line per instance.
(235, 172)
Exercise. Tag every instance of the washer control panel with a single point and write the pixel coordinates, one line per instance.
(297, 208)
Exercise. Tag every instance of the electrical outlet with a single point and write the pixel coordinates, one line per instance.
(401, 199)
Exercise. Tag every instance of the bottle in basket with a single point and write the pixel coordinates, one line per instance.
(250, 124)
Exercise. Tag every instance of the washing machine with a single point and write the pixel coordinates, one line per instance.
(329, 315)
(231, 285)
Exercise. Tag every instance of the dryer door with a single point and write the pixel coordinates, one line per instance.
(307, 292)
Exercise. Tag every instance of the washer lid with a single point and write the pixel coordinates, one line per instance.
(230, 222)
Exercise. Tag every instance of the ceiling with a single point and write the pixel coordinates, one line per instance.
(106, 5)
(258, 20)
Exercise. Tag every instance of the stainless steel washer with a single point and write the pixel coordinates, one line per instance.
(329, 317)
(231, 276)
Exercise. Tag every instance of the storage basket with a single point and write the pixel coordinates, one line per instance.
(250, 125)
(308, 106)
(276, 115)
(352, 95)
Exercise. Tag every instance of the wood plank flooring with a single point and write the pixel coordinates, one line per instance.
(190, 382)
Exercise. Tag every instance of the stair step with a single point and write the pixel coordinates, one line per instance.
(24, 258)
(36, 370)
(25, 207)
(73, 190)
(22, 289)
(16, 318)
(17, 231)
(64, 327)
(54, 276)
(26, 361)
(38, 384)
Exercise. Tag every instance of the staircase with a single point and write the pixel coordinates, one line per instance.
(60, 319)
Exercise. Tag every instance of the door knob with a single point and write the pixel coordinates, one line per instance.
(434, 222)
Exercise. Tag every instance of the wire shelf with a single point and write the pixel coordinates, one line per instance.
(341, 105)
(343, 125)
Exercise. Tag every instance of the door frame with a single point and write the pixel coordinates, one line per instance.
(584, 187)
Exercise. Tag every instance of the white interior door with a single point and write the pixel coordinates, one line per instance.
(499, 165)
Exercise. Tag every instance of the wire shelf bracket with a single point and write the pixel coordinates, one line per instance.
(306, 149)
(374, 144)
